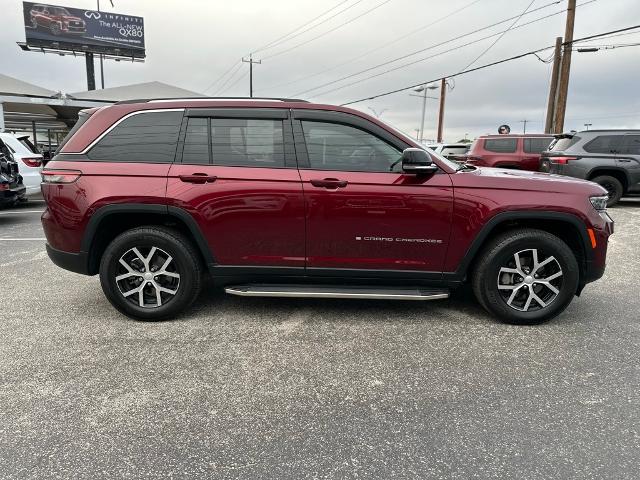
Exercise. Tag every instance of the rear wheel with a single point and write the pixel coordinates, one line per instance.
(526, 276)
(150, 273)
(613, 186)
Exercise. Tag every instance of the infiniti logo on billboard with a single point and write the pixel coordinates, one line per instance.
(92, 14)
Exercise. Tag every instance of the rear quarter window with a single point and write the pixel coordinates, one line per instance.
(605, 144)
(501, 145)
(144, 137)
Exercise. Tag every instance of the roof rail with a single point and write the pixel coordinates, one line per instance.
(207, 99)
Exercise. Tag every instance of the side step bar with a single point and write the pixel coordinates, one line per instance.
(329, 291)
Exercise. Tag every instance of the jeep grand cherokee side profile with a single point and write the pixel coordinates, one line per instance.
(294, 199)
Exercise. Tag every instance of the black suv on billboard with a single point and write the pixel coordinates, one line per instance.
(57, 20)
(610, 158)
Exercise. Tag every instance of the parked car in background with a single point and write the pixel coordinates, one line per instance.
(29, 162)
(452, 151)
(520, 152)
(11, 188)
(151, 194)
(610, 158)
(57, 20)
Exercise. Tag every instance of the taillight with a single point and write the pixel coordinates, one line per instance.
(4, 186)
(32, 161)
(562, 160)
(60, 176)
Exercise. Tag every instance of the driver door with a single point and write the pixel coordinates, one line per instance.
(363, 214)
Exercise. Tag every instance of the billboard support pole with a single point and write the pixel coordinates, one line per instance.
(91, 74)
(101, 56)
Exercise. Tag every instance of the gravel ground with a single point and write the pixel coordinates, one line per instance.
(281, 388)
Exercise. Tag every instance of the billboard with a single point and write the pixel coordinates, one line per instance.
(79, 30)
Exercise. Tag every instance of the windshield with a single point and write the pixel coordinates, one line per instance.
(59, 11)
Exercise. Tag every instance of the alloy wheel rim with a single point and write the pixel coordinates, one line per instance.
(147, 277)
(530, 280)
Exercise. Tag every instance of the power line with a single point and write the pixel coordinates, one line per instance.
(233, 74)
(431, 47)
(376, 49)
(217, 80)
(487, 65)
(500, 38)
(453, 49)
(284, 38)
(236, 82)
(328, 31)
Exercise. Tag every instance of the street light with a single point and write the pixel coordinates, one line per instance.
(588, 125)
(424, 89)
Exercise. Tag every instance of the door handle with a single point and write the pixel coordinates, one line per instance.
(199, 178)
(331, 183)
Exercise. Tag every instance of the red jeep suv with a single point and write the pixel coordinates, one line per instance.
(521, 152)
(293, 199)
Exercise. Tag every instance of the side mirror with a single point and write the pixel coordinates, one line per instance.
(417, 161)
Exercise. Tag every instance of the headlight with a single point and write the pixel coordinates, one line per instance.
(600, 202)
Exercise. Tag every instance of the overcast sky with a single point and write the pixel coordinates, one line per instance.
(191, 43)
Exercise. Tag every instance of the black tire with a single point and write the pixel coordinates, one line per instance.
(613, 186)
(498, 254)
(184, 261)
(55, 29)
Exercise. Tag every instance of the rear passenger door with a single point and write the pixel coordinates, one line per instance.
(235, 174)
(629, 160)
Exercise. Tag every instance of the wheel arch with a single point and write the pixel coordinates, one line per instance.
(616, 172)
(570, 228)
(109, 221)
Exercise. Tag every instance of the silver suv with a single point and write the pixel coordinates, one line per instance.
(610, 158)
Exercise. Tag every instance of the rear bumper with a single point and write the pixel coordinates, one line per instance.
(74, 262)
(8, 197)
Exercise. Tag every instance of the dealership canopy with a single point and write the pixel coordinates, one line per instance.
(28, 107)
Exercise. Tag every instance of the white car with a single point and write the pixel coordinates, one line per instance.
(29, 162)
(450, 150)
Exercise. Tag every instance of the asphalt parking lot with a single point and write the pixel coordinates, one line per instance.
(277, 388)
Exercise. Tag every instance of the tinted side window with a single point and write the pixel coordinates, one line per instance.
(501, 145)
(196, 142)
(605, 144)
(631, 145)
(247, 142)
(536, 145)
(333, 146)
(145, 137)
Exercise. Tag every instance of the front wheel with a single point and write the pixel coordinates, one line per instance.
(150, 273)
(526, 276)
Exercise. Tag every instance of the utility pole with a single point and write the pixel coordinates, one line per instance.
(443, 92)
(565, 68)
(524, 126)
(251, 61)
(553, 87)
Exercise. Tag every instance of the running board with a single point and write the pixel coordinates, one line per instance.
(328, 291)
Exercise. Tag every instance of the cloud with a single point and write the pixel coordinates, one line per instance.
(192, 44)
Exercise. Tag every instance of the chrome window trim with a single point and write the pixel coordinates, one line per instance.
(128, 115)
